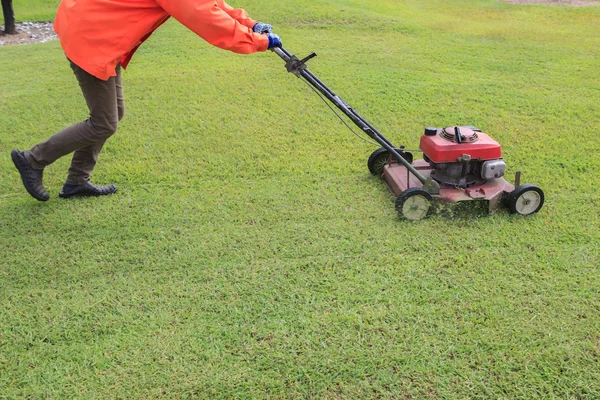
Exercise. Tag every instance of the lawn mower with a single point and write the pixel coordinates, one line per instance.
(461, 171)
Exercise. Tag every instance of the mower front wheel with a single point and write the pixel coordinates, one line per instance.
(380, 157)
(525, 200)
(413, 204)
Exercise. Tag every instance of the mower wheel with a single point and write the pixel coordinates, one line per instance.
(525, 200)
(413, 204)
(380, 157)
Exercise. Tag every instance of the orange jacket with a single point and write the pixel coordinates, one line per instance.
(98, 34)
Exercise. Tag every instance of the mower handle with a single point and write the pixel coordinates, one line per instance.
(281, 52)
(298, 67)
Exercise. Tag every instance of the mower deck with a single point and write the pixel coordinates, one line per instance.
(479, 199)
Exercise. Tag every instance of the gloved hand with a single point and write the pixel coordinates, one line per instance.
(274, 40)
(259, 27)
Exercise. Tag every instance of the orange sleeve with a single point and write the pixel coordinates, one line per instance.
(213, 24)
(239, 14)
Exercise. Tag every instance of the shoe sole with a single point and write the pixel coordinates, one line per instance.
(64, 195)
(17, 161)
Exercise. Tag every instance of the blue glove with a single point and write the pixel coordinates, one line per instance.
(274, 40)
(259, 27)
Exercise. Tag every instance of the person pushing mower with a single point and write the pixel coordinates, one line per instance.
(99, 37)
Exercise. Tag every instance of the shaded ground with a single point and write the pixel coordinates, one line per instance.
(28, 32)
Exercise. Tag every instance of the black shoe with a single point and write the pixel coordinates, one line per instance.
(87, 189)
(32, 178)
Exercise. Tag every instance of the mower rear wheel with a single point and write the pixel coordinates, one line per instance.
(413, 204)
(526, 200)
(380, 157)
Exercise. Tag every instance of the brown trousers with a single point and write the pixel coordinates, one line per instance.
(106, 104)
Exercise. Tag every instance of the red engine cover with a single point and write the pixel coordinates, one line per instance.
(442, 147)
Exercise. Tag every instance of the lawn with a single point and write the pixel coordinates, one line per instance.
(250, 254)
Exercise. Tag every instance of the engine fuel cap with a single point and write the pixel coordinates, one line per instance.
(429, 131)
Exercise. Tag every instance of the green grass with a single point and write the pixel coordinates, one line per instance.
(250, 254)
(35, 10)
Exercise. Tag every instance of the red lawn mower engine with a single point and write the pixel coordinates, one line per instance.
(462, 156)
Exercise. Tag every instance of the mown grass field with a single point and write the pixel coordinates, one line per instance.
(250, 254)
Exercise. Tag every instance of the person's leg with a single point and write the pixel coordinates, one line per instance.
(101, 98)
(85, 158)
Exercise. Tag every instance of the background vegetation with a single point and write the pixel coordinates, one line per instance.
(249, 253)
(35, 10)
